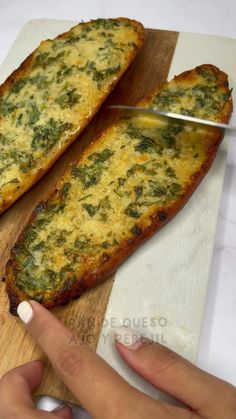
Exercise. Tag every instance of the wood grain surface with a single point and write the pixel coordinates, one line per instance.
(149, 69)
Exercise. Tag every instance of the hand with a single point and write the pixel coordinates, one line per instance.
(101, 391)
(15, 394)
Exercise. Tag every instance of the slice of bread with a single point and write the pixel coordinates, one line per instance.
(128, 183)
(52, 96)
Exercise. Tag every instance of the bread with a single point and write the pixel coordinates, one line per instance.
(128, 183)
(52, 96)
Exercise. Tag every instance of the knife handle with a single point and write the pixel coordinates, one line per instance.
(49, 403)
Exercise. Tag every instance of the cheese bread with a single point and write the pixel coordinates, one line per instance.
(128, 183)
(52, 96)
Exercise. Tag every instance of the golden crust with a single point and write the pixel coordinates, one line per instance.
(109, 262)
(23, 70)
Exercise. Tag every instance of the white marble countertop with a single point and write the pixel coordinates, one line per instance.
(218, 340)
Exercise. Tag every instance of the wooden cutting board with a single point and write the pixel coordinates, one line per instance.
(149, 69)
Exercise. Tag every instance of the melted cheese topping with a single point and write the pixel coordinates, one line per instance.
(135, 169)
(59, 90)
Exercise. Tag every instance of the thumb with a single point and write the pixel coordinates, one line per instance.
(17, 384)
(16, 387)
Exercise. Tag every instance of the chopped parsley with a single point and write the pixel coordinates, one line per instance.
(45, 136)
(68, 99)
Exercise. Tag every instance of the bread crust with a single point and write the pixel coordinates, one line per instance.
(23, 70)
(109, 263)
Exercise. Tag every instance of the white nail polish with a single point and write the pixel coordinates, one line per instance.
(128, 337)
(25, 312)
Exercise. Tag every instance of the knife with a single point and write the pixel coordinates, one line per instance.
(50, 403)
(231, 130)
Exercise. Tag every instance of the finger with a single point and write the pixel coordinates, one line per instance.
(96, 385)
(64, 412)
(17, 384)
(27, 413)
(175, 375)
(15, 393)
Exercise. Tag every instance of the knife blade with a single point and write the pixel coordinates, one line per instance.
(231, 130)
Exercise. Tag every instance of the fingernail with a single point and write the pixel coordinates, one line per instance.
(128, 338)
(25, 312)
